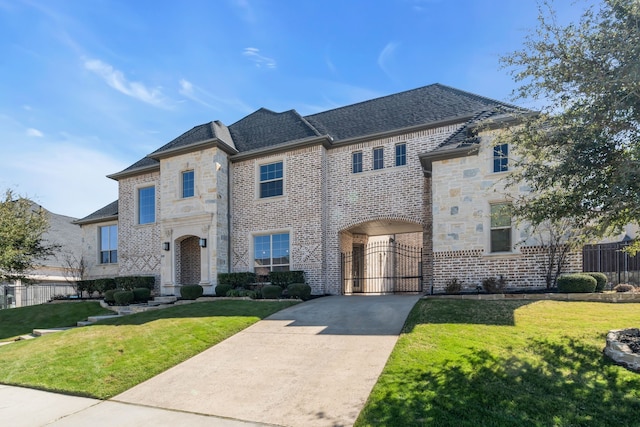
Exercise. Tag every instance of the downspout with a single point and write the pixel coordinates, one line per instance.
(230, 199)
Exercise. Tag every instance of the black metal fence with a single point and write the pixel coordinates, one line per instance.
(611, 259)
(12, 296)
(382, 267)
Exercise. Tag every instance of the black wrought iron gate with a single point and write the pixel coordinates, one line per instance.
(382, 267)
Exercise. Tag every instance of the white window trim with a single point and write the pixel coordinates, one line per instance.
(99, 245)
(256, 174)
(513, 248)
(137, 203)
(181, 184)
(252, 251)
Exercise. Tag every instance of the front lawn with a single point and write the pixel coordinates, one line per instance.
(116, 354)
(506, 363)
(23, 320)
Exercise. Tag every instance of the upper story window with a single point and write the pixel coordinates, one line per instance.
(501, 158)
(188, 184)
(501, 227)
(271, 253)
(109, 244)
(401, 154)
(271, 180)
(356, 162)
(146, 205)
(378, 158)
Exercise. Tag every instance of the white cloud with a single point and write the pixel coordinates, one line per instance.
(119, 82)
(189, 91)
(386, 57)
(34, 132)
(203, 97)
(254, 55)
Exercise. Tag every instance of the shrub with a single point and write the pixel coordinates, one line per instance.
(494, 285)
(285, 278)
(132, 282)
(235, 280)
(123, 297)
(222, 290)
(624, 287)
(271, 291)
(453, 286)
(299, 290)
(191, 291)
(108, 296)
(85, 286)
(601, 280)
(576, 283)
(141, 294)
(104, 284)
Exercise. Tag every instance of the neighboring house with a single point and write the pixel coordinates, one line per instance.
(399, 193)
(52, 275)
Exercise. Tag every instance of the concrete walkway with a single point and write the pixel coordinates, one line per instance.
(313, 364)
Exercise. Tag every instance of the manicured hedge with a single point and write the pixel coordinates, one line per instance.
(299, 290)
(271, 292)
(601, 280)
(191, 292)
(141, 294)
(222, 290)
(123, 297)
(108, 296)
(236, 280)
(104, 284)
(576, 283)
(285, 278)
(132, 282)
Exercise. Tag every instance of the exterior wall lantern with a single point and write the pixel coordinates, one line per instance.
(166, 246)
(203, 243)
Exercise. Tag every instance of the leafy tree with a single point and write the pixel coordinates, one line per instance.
(21, 231)
(580, 155)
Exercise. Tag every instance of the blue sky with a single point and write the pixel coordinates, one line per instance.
(88, 87)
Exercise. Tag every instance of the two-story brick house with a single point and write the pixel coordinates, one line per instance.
(393, 194)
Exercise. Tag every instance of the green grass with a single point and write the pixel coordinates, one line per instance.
(23, 320)
(506, 363)
(116, 354)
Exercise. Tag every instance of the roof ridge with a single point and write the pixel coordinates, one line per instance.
(475, 95)
(370, 100)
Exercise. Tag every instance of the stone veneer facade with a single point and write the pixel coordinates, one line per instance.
(463, 189)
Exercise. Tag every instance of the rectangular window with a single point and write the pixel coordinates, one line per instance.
(146, 205)
(356, 162)
(378, 158)
(109, 244)
(401, 154)
(271, 253)
(501, 227)
(188, 184)
(271, 180)
(501, 158)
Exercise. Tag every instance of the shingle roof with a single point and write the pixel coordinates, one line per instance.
(200, 133)
(425, 105)
(264, 128)
(109, 211)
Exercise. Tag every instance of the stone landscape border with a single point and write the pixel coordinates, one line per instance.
(620, 352)
(588, 297)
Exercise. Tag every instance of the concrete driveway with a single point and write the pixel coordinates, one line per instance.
(313, 364)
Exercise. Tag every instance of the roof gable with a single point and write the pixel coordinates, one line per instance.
(264, 128)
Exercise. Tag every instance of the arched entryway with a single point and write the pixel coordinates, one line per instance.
(188, 267)
(382, 256)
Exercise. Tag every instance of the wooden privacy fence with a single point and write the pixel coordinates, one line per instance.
(611, 259)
